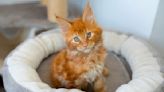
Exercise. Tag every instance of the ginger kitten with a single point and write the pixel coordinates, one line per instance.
(82, 61)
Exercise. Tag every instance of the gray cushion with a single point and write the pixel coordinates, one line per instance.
(117, 72)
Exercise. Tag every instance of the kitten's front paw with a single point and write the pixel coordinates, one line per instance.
(105, 72)
(99, 85)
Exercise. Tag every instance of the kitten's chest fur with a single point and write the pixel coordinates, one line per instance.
(94, 71)
(80, 69)
(94, 64)
(85, 72)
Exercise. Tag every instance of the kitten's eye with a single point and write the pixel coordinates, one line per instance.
(76, 39)
(89, 34)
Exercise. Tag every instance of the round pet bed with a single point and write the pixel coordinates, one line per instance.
(20, 75)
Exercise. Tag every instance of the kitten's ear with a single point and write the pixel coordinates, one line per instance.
(87, 15)
(63, 23)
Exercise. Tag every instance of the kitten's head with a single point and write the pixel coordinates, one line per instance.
(82, 34)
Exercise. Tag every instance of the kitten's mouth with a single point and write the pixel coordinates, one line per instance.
(85, 50)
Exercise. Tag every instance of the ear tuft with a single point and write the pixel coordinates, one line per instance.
(88, 15)
(63, 23)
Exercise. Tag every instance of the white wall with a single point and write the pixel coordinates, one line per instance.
(157, 37)
(132, 16)
(144, 18)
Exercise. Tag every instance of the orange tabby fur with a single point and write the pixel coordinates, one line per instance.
(80, 62)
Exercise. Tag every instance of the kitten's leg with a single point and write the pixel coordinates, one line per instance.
(55, 83)
(85, 87)
(99, 85)
(105, 72)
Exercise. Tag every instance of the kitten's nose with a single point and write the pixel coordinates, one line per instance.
(85, 44)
